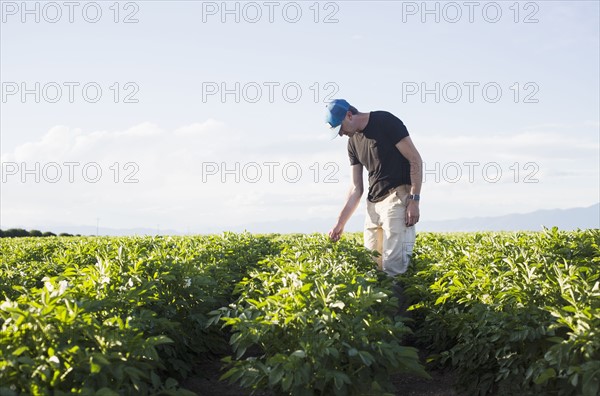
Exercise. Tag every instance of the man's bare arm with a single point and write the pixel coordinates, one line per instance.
(352, 202)
(409, 151)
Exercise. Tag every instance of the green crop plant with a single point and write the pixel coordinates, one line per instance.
(513, 313)
(510, 313)
(317, 320)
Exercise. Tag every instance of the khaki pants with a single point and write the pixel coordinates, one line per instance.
(386, 232)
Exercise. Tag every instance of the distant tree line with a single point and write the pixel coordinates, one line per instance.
(19, 232)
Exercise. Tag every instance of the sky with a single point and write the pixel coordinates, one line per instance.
(197, 116)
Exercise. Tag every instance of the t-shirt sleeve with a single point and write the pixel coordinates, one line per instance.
(396, 128)
(352, 153)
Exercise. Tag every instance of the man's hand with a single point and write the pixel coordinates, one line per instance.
(336, 232)
(412, 213)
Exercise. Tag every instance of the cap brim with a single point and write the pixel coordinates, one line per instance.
(335, 131)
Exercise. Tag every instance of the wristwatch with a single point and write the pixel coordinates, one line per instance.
(414, 197)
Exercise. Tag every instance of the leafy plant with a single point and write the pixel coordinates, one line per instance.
(317, 319)
(511, 312)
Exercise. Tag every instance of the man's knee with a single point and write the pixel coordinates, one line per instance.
(397, 259)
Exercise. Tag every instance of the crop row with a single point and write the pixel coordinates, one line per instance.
(128, 316)
(113, 316)
(317, 319)
(512, 313)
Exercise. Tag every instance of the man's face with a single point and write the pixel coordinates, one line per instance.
(347, 128)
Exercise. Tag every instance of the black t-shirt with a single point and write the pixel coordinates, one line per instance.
(375, 148)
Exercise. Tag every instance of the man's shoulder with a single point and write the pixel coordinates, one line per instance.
(383, 115)
(381, 122)
(387, 126)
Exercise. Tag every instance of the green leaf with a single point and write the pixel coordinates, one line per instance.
(574, 380)
(591, 384)
(159, 340)
(286, 384)
(299, 353)
(20, 350)
(171, 383)
(95, 367)
(135, 373)
(366, 357)
(229, 373)
(275, 375)
(545, 376)
(339, 379)
(240, 352)
(457, 282)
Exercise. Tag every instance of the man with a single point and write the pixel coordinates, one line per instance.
(379, 142)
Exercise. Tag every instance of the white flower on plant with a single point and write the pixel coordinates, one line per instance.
(53, 290)
(63, 285)
(7, 304)
(49, 286)
(188, 283)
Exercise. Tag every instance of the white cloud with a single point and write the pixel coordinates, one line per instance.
(206, 174)
(519, 171)
(539, 143)
(201, 128)
(201, 173)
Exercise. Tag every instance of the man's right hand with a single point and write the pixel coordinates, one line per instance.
(336, 232)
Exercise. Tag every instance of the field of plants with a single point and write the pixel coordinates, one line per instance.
(508, 313)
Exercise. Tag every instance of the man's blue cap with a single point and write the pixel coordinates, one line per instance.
(336, 112)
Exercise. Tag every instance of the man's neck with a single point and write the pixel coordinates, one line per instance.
(363, 119)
